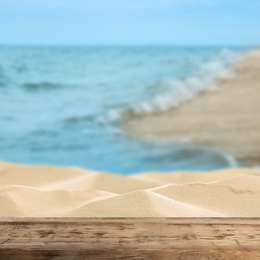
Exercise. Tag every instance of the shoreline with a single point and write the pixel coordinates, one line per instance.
(225, 116)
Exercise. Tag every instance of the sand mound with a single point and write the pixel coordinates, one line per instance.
(46, 191)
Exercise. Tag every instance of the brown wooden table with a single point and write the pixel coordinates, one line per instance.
(129, 238)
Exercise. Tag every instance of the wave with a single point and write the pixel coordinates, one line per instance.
(190, 154)
(32, 86)
(78, 119)
(187, 155)
(177, 91)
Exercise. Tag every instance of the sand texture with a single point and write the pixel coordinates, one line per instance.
(225, 116)
(45, 191)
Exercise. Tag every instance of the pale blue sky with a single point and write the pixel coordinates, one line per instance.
(189, 22)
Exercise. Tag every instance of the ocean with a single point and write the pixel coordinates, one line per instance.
(62, 105)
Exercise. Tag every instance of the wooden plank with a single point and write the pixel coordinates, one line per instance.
(129, 238)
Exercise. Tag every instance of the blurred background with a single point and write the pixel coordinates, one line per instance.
(72, 71)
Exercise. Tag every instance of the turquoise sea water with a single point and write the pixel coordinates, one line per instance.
(63, 105)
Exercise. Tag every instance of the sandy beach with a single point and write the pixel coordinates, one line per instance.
(225, 116)
(45, 191)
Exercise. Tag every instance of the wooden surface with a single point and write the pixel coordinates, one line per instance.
(130, 238)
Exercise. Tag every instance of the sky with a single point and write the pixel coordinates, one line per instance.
(130, 22)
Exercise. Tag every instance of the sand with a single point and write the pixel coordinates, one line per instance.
(226, 116)
(45, 191)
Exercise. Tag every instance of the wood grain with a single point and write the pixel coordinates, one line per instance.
(129, 238)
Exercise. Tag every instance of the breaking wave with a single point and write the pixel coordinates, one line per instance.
(174, 92)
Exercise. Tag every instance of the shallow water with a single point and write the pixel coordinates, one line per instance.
(62, 105)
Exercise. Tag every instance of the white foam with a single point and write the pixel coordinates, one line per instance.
(178, 91)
